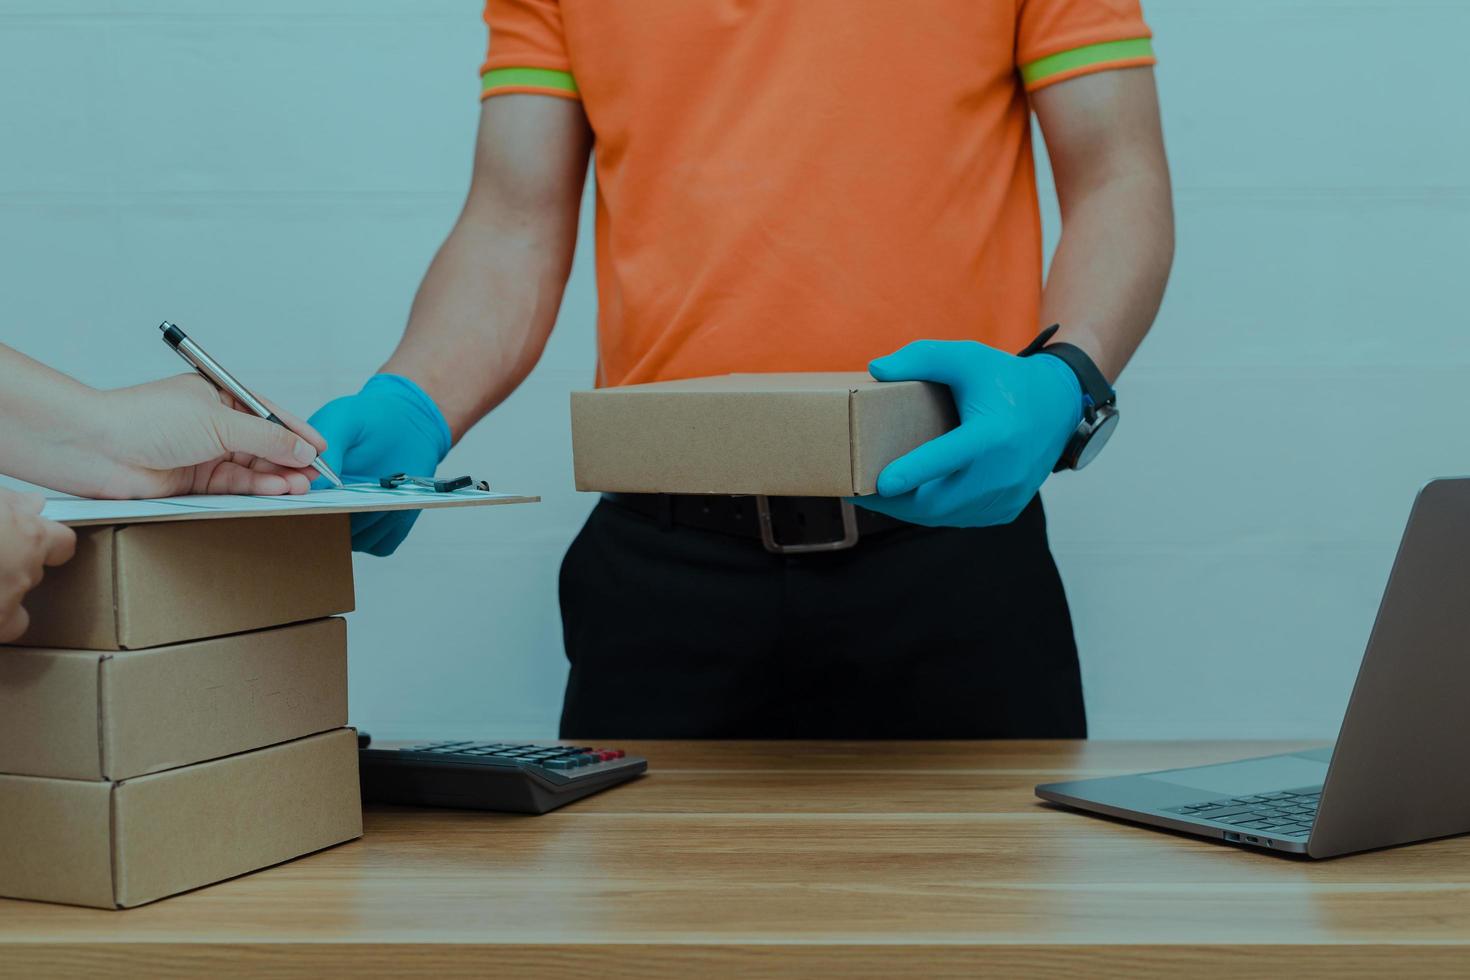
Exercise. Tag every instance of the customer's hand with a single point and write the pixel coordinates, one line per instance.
(391, 426)
(180, 435)
(28, 543)
(1016, 415)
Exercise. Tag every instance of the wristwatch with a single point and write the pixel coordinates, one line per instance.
(1099, 401)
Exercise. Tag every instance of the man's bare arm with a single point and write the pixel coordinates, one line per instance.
(1106, 281)
(1111, 264)
(489, 300)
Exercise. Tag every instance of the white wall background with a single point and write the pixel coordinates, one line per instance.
(276, 175)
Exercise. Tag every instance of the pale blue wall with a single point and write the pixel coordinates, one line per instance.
(276, 175)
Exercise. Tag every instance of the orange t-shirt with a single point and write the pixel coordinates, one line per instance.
(803, 185)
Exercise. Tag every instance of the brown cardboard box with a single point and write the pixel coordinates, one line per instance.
(120, 844)
(821, 435)
(143, 585)
(86, 715)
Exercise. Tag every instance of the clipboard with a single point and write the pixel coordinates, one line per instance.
(350, 499)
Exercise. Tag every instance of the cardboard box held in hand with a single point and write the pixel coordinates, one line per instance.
(819, 435)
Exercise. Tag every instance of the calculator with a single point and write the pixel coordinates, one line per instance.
(514, 777)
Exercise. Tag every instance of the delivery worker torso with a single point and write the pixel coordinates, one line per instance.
(802, 185)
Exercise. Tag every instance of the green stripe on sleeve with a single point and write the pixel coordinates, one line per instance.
(561, 81)
(1093, 54)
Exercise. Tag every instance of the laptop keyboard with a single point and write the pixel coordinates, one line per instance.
(1288, 815)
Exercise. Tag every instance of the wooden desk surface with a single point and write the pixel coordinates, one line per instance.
(781, 859)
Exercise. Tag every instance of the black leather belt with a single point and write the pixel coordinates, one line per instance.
(785, 525)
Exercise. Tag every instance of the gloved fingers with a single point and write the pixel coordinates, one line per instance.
(363, 525)
(938, 457)
(872, 502)
(369, 542)
(414, 407)
(385, 535)
(342, 428)
(965, 499)
(945, 361)
(903, 508)
(926, 509)
(381, 532)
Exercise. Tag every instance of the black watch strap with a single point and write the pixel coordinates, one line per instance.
(1095, 387)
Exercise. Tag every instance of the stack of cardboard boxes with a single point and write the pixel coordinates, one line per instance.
(176, 713)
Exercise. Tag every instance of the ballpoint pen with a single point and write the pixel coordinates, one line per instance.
(215, 374)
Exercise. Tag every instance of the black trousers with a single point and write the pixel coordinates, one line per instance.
(915, 633)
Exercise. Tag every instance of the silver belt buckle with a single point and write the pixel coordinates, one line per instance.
(768, 533)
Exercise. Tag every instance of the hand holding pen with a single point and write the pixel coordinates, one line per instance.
(173, 436)
(215, 374)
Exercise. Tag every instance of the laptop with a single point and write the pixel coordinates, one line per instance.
(1398, 771)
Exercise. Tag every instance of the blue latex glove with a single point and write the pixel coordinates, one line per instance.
(390, 426)
(1016, 415)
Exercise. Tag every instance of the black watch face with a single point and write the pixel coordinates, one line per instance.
(1095, 442)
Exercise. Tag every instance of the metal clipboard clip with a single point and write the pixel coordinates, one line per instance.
(449, 485)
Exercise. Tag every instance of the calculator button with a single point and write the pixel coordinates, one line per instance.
(559, 764)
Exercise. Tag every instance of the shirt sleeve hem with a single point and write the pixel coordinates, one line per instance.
(1062, 76)
(528, 79)
(1081, 59)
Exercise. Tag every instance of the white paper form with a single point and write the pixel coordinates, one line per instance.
(349, 499)
(67, 509)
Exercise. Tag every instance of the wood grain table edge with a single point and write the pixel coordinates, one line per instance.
(361, 961)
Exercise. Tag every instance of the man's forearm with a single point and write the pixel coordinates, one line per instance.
(1112, 177)
(489, 300)
(483, 314)
(1111, 265)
